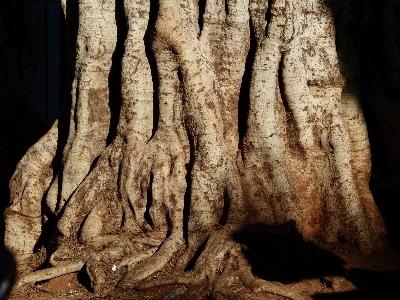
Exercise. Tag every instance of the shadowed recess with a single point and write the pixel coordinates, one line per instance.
(279, 253)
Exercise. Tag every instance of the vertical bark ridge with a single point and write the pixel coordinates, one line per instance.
(264, 142)
(135, 124)
(90, 117)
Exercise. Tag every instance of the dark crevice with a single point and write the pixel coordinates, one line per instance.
(148, 40)
(47, 227)
(326, 282)
(180, 77)
(268, 15)
(282, 88)
(186, 208)
(224, 218)
(202, 9)
(293, 131)
(244, 95)
(77, 99)
(115, 77)
(289, 115)
(189, 166)
(187, 197)
(149, 201)
(94, 163)
(84, 280)
(193, 261)
(72, 25)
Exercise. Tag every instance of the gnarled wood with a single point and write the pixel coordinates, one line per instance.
(156, 201)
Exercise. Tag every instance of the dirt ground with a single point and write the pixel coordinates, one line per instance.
(310, 270)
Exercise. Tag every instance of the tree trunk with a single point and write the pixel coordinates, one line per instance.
(139, 198)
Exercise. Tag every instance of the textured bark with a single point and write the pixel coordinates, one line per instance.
(155, 199)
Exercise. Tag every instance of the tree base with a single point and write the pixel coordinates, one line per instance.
(288, 268)
(181, 203)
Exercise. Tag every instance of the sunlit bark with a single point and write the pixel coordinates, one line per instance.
(148, 201)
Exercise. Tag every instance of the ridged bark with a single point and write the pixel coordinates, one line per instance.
(148, 201)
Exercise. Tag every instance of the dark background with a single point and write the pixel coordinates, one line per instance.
(36, 28)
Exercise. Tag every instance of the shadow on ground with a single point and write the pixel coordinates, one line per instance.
(280, 254)
(370, 285)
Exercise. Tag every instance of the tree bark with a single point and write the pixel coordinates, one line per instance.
(154, 199)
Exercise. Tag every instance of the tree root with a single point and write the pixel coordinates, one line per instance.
(153, 264)
(221, 266)
(28, 184)
(117, 252)
(50, 273)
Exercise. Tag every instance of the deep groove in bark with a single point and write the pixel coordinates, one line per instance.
(190, 265)
(114, 79)
(291, 126)
(149, 201)
(148, 37)
(243, 102)
(202, 8)
(268, 14)
(226, 208)
(226, 7)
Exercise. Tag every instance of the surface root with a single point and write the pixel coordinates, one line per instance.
(50, 273)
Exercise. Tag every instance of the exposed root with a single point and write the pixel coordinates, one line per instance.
(50, 273)
(112, 251)
(33, 175)
(153, 264)
(165, 165)
(97, 197)
(188, 278)
(220, 267)
(131, 261)
(28, 184)
(261, 286)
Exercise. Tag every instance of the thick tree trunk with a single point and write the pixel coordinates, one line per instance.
(142, 202)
